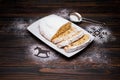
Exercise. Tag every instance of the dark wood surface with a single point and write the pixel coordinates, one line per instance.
(17, 61)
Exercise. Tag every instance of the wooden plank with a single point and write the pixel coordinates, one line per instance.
(17, 62)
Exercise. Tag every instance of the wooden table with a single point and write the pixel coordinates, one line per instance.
(17, 62)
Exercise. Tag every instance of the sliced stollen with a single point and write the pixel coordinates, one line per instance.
(61, 30)
(74, 37)
(78, 44)
(64, 36)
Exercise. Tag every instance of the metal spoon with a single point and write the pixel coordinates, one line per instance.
(76, 17)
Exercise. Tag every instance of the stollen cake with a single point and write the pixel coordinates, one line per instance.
(78, 44)
(62, 33)
(74, 37)
(64, 36)
(53, 25)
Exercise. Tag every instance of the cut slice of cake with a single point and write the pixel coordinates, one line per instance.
(78, 44)
(64, 36)
(74, 37)
(62, 33)
(62, 29)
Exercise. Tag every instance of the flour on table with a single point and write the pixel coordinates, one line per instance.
(19, 27)
(51, 54)
(63, 13)
(101, 34)
(96, 55)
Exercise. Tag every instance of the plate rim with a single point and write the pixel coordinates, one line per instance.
(32, 28)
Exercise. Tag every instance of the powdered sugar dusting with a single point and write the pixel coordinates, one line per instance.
(94, 54)
(51, 54)
(97, 56)
(102, 35)
(63, 13)
(19, 26)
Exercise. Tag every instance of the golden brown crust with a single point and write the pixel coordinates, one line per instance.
(64, 35)
(62, 30)
(78, 42)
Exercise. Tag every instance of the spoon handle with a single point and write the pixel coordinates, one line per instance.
(92, 21)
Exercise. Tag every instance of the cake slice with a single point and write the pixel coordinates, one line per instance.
(78, 44)
(62, 29)
(74, 37)
(64, 36)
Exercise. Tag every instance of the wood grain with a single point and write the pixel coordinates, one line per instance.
(17, 61)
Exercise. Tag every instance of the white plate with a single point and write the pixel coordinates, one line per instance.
(34, 29)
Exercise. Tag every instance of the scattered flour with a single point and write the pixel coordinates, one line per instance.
(63, 13)
(51, 54)
(19, 27)
(102, 35)
(96, 55)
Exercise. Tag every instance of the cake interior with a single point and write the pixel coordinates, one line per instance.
(78, 42)
(62, 29)
(67, 34)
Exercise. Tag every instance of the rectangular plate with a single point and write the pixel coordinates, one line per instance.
(34, 29)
